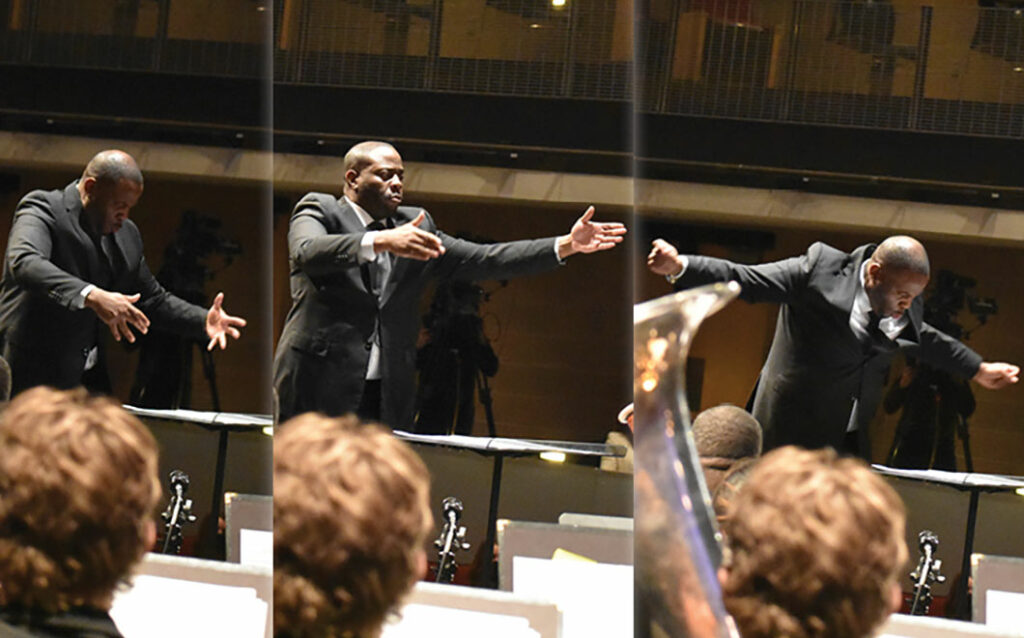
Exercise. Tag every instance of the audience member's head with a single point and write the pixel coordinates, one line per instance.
(816, 548)
(735, 478)
(351, 515)
(78, 487)
(723, 435)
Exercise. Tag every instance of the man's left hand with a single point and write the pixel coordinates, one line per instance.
(996, 375)
(220, 324)
(589, 236)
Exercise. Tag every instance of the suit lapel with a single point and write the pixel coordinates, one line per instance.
(83, 231)
(843, 292)
(847, 280)
(346, 220)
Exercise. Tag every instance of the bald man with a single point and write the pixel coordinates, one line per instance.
(843, 318)
(359, 265)
(74, 268)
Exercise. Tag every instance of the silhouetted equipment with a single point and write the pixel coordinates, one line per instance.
(178, 512)
(451, 540)
(927, 572)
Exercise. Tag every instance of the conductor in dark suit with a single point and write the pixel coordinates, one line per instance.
(359, 266)
(843, 318)
(74, 264)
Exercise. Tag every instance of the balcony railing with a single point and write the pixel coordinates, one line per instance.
(952, 68)
(884, 64)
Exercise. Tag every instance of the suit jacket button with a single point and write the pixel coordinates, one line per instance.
(369, 345)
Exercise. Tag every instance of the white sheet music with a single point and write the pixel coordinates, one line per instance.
(596, 599)
(1004, 610)
(256, 547)
(417, 621)
(216, 610)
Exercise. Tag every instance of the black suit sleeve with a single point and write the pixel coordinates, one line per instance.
(28, 251)
(314, 250)
(945, 352)
(774, 282)
(471, 261)
(166, 310)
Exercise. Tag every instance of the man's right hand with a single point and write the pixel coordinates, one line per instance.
(408, 240)
(118, 312)
(664, 259)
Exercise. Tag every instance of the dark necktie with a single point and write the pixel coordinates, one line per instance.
(380, 268)
(875, 333)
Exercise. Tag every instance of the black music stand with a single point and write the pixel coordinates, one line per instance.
(221, 422)
(975, 483)
(499, 448)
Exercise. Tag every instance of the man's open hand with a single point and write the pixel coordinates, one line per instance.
(409, 240)
(118, 312)
(588, 236)
(220, 324)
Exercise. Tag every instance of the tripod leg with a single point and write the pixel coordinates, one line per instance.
(965, 438)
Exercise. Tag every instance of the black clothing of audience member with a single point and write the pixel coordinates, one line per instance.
(82, 622)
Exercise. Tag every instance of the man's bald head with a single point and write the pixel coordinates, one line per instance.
(111, 185)
(896, 275)
(112, 166)
(902, 253)
(373, 178)
(361, 155)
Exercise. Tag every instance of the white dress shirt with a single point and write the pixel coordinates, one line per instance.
(365, 255)
(890, 327)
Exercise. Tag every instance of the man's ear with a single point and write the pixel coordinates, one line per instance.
(350, 178)
(873, 272)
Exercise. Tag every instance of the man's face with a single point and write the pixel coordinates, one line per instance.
(108, 203)
(892, 291)
(378, 186)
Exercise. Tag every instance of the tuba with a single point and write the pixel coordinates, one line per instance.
(677, 542)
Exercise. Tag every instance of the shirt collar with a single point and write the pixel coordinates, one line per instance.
(362, 214)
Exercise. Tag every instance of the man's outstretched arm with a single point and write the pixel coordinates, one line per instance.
(947, 353)
(469, 260)
(774, 282)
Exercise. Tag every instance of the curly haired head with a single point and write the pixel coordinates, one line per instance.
(351, 514)
(78, 485)
(817, 545)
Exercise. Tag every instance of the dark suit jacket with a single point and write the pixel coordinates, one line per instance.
(817, 366)
(324, 350)
(52, 254)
